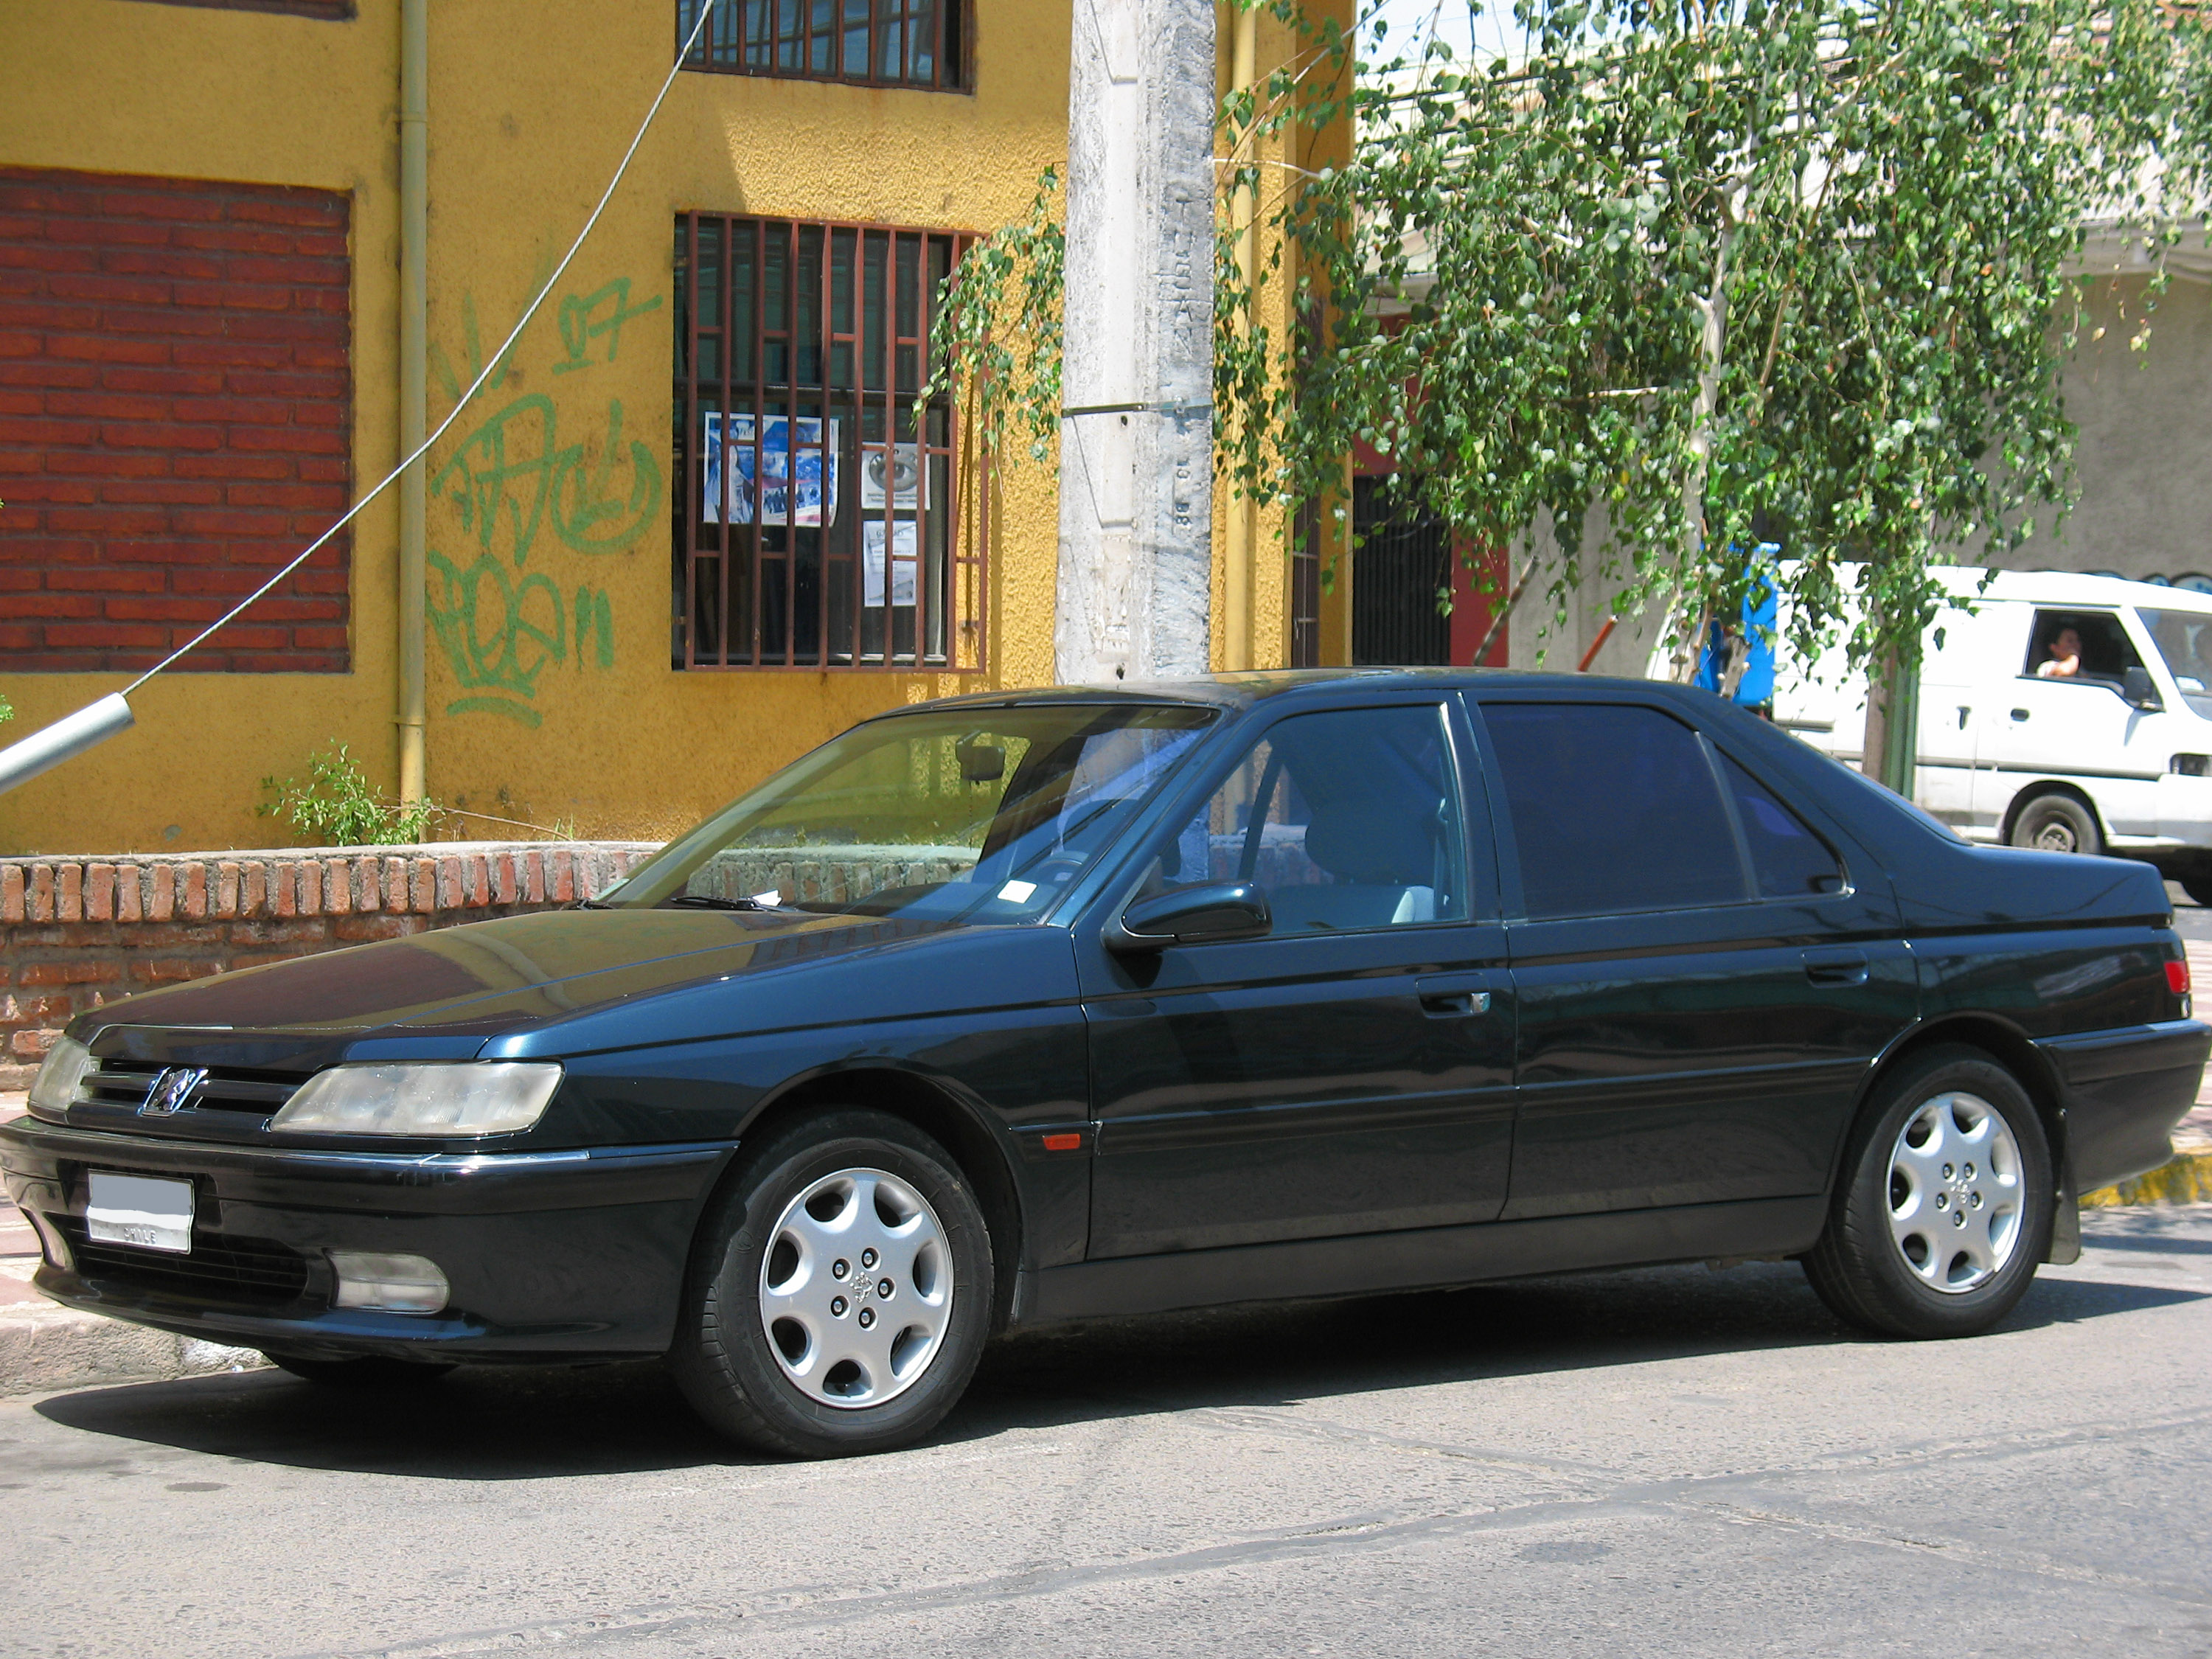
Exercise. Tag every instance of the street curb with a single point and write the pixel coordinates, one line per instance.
(47, 1347)
(2186, 1180)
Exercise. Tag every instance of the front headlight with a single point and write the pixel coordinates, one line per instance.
(444, 1099)
(56, 1086)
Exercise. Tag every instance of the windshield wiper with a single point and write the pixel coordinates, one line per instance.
(709, 901)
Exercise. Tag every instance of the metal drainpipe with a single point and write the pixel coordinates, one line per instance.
(1243, 554)
(414, 378)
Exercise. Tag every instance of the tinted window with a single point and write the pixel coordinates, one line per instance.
(1346, 821)
(1613, 808)
(1788, 860)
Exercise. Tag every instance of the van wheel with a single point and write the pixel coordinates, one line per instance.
(2198, 887)
(2057, 823)
(1946, 1205)
(840, 1292)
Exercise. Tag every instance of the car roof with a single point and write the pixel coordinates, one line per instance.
(2067, 589)
(1249, 689)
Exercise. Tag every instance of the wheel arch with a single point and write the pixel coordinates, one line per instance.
(2001, 1040)
(939, 1110)
(2028, 793)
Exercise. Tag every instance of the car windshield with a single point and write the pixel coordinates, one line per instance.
(980, 815)
(2184, 638)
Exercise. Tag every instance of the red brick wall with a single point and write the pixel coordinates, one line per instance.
(78, 932)
(175, 420)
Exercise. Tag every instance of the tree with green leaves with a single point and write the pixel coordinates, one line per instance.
(1677, 280)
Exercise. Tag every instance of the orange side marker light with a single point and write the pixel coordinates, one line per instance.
(1066, 1143)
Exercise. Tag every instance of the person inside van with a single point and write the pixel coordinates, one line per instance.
(2063, 656)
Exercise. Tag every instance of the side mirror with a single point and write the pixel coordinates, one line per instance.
(2137, 689)
(1191, 915)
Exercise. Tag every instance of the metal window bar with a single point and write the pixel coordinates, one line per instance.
(803, 348)
(892, 43)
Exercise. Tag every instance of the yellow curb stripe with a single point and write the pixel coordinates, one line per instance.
(2186, 1180)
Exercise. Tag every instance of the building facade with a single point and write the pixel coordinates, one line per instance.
(700, 518)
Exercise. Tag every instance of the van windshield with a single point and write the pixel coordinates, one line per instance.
(2184, 638)
(971, 814)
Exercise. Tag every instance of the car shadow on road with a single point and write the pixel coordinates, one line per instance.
(1279, 1355)
(515, 1423)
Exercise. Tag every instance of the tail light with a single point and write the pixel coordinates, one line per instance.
(2177, 978)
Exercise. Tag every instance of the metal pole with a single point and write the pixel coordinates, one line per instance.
(65, 739)
(414, 383)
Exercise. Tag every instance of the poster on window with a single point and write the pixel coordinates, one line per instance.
(897, 474)
(768, 483)
(904, 545)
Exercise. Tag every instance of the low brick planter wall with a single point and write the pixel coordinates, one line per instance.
(75, 932)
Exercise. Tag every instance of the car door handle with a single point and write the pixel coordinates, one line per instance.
(1454, 1005)
(1836, 966)
(2019, 714)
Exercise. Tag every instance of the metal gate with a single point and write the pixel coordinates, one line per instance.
(1400, 573)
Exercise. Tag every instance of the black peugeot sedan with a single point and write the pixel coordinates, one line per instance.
(1028, 1007)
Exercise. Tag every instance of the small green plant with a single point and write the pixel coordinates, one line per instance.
(337, 807)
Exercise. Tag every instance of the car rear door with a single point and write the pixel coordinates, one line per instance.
(1349, 1073)
(1703, 972)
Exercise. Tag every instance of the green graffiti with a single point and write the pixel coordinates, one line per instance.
(513, 474)
(581, 324)
(595, 620)
(501, 623)
(590, 514)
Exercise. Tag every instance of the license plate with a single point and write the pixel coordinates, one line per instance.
(152, 1214)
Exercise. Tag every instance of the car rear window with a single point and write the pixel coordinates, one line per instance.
(1788, 860)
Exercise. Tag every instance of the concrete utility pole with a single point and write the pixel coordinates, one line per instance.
(1136, 459)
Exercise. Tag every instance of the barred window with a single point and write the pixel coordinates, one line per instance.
(893, 43)
(829, 519)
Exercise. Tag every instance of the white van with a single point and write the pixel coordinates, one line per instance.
(2115, 757)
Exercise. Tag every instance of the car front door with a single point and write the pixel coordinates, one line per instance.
(1350, 1071)
(2078, 728)
(1702, 978)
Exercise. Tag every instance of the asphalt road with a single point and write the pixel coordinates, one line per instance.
(1670, 1462)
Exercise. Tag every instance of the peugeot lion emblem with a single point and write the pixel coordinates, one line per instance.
(172, 1091)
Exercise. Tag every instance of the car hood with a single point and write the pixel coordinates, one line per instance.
(572, 981)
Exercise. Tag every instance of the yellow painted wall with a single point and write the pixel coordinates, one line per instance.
(531, 104)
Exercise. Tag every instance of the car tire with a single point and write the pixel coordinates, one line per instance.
(840, 1291)
(370, 1371)
(2057, 823)
(1895, 1258)
(2199, 888)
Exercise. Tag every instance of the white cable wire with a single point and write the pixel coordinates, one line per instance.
(706, 11)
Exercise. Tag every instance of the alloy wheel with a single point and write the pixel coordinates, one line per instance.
(856, 1288)
(1955, 1192)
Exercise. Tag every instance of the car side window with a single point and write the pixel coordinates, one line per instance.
(2083, 646)
(1345, 820)
(1788, 860)
(1614, 808)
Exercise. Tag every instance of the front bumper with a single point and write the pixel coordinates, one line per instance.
(551, 1255)
(2124, 1091)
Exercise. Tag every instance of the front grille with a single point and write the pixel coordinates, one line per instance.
(258, 1272)
(126, 1083)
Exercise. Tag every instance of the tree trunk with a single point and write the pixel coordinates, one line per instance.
(1712, 345)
